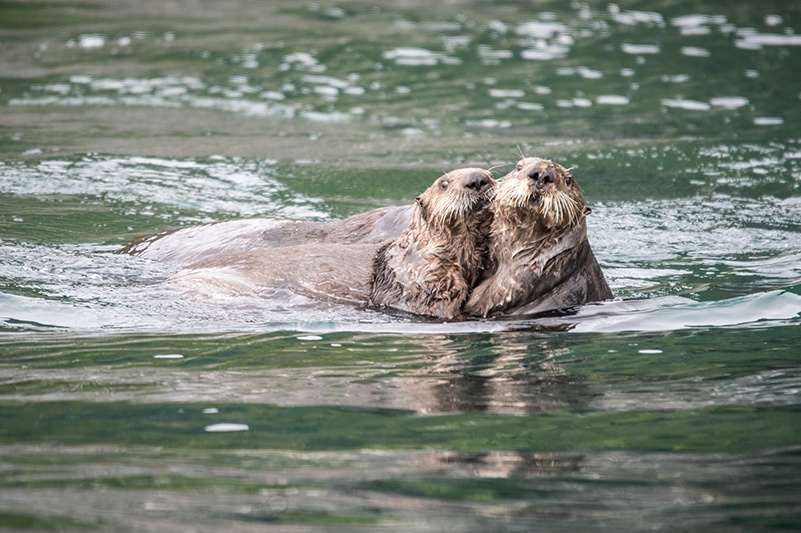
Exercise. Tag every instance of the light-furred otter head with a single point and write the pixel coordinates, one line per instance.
(430, 268)
(539, 256)
(447, 205)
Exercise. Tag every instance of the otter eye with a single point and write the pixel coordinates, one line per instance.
(568, 180)
(444, 184)
(519, 168)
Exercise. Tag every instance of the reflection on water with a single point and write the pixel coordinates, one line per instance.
(670, 490)
(130, 405)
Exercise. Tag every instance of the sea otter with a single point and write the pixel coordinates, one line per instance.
(427, 270)
(431, 267)
(539, 255)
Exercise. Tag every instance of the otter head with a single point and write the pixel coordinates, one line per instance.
(458, 197)
(541, 194)
(540, 258)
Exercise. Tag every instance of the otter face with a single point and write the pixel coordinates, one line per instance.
(540, 192)
(455, 196)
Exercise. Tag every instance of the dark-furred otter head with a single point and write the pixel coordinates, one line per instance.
(539, 256)
(539, 195)
(430, 268)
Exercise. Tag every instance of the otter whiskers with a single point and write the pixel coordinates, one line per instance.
(565, 209)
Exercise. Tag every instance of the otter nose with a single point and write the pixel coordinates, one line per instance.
(477, 181)
(542, 177)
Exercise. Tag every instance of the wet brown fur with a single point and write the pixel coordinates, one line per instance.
(431, 267)
(428, 269)
(539, 255)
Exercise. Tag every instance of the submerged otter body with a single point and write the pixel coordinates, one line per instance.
(339, 273)
(539, 254)
(427, 269)
(188, 245)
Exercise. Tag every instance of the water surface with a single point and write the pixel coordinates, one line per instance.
(127, 404)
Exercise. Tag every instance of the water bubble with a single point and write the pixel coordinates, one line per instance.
(589, 74)
(694, 21)
(506, 93)
(541, 30)
(768, 121)
(530, 106)
(302, 61)
(611, 99)
(488, 54)
(755, 41)
(226, 427)
(327, 91)
(273, 95)
(545, 53)
(692, 51)
(91, 41)
(410, 56)
(640, 49)
(729, 102)
(630, 18)
(690, 105)
(489, 123)
(497, 26)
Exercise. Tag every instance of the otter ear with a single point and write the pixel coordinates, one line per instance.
(587, 211)
(423, 209)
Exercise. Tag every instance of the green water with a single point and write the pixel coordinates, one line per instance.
(128, 405)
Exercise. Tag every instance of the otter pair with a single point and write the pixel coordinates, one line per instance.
(525, 252)
(470, 247)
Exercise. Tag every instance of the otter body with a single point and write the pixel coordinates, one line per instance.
(539, 254)
(431, 267)
(188, 245)
(427, 269)
(340, 273)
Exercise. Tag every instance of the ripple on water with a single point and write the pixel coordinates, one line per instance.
(204, 186)
(729, 102)
(689, 105)
(612, 99)
(768, 309)
(768, 121)
(640, 49)
(306, 95)
(692, 51)
(756, 41)
(417, 57)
